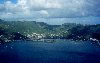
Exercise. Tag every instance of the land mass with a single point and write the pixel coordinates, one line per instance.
(32, 30)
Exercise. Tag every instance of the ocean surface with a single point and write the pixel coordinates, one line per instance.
(61, 51)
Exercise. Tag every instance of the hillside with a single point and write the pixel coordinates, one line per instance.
(22, 30)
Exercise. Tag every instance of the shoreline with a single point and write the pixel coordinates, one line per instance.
(49, 41)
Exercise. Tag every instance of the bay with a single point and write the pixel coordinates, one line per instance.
(61, 51)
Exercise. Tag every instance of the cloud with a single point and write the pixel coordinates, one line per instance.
(42, 4)
(50, 9)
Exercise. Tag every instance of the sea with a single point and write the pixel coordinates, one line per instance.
(60, 51)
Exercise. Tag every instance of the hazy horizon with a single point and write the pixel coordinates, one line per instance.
(60, 21)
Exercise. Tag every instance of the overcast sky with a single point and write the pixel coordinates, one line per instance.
(35, 9)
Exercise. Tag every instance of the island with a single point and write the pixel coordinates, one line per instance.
(39, 31)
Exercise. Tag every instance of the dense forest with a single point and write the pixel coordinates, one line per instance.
(23, 30)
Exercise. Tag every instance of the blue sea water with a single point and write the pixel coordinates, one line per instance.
(61, 51)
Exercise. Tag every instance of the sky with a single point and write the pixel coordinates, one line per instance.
(59, 10)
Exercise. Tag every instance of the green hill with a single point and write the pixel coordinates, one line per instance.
(22, 30)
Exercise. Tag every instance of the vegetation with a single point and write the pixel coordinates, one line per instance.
(23, 30)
